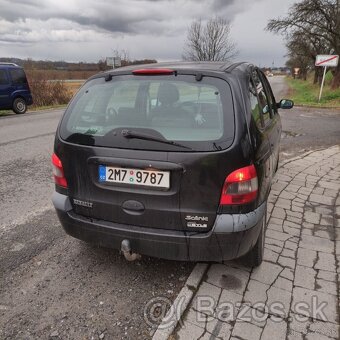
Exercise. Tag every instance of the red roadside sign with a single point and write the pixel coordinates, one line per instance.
(327, 60)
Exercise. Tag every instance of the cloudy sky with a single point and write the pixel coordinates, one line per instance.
(88, 30)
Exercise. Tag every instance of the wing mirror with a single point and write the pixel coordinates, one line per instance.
(285, 104)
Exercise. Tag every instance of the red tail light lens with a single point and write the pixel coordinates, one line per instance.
(240, 187)
(58, 172)
(153, 71)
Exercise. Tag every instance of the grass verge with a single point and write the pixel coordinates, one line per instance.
(305, 93)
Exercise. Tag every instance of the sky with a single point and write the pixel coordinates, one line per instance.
(90, 30)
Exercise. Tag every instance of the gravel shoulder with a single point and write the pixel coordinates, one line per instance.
(55, 286)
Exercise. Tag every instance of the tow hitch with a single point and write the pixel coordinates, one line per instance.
(128, 254)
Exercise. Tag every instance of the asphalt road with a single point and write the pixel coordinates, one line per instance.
(50, 283)
(305, 129)
(26, 143)
(54, 285)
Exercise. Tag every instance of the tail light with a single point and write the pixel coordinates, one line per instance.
(58, 172)
(240, 187)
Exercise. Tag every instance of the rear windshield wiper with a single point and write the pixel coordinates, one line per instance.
(138, 135)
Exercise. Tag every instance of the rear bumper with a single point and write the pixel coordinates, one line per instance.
(231, 236)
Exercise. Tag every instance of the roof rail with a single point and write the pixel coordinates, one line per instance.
(11, 64)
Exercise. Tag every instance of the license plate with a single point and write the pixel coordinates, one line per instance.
(150, 178)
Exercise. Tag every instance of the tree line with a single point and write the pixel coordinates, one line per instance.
(101, 65)
(311, 27)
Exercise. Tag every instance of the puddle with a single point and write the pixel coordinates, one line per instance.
(230, 282)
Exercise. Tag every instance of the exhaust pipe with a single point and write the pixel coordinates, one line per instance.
(126, 250)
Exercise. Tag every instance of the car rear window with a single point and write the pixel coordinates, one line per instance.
(18, 76)
(3, 77)
(197, 114)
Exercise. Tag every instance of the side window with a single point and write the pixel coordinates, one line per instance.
(18, 76)
(3, 78)
(254, 104)
(270, 95)
(264, 104)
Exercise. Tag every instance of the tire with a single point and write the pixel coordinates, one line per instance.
(255, 256)
(19, 105)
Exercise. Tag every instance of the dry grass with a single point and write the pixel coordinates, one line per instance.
(73, 87)
(61, 74)
(45, 92)
(55, 87)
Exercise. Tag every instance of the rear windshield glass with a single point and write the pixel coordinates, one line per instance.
(3, 77)
(18, 76)
(197, 115)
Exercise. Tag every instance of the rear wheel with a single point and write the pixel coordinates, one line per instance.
(19, 105)
(255, 256)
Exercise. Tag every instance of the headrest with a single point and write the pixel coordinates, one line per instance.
(168, 94)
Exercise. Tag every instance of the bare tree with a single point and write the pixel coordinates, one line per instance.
(102, 66)
(123, 55)
(315, 20)
(302, 63)
(209, 42)
(304, 49)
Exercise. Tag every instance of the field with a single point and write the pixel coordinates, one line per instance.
(73, 86)
(61, 74)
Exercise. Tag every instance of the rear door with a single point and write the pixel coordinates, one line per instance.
(274, 128)
(5, 89)
(19, 81)
(262, 118)
(174, 184)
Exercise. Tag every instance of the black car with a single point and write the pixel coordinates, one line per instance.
(170, 160)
